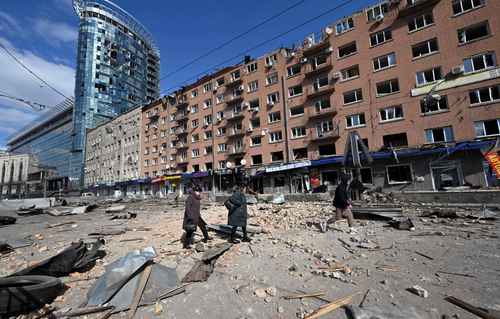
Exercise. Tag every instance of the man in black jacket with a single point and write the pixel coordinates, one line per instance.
(192, 217)
(238, 213)
(342, 200)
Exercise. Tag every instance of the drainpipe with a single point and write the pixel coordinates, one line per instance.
(285, 117)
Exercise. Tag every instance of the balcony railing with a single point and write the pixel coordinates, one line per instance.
(313, 69)
(234, 98)
(234, 115)
(315, 91)
(416, 7)
(316, 112)
(238, 150)
(182, 160)
(232, 82)
(236, 132)
(317, 45)
(322, 135)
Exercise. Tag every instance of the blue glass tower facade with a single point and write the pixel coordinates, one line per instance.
(117, 67)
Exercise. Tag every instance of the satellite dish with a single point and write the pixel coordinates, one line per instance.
(243, 162)
(328, 30)
(229, 165)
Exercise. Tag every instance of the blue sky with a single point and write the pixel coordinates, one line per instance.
(43, 34)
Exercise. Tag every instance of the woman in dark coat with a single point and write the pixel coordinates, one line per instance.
(342, 200)
(192, 217)
(238, 213)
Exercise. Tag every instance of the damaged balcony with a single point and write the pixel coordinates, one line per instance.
(416, 6)
(182, 161)
(313, 47)
(320, 89)
(237, 150)
(230, 116)
(317, 112)
(234, 99)
(181, 146)
(315, 68)
(320, 135)
(236, 132)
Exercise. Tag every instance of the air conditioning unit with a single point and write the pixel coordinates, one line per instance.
(458, 70)
(379, 18)
(336, 75)
(303, 60)
(249, 130)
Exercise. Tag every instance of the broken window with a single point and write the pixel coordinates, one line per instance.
(377, 11)
(487, 128)
(425, 48)
(384, 62)
(330, 177)
(429, 76)
(480, 62)
(298, 132)
(272, 78)
(255, 123)
(353, 96)
(274, 117)
(474, 32)
(300, 153)
(252, 67)
(293, 70)
(348, 49)
(344, 25)
(295, 90)
(296, 111)
(391, 113)
(441, 134)
(387, 87)
(461, 6)
(256, 159)
(350, 73)
(253, 86)
(256, 140)
(433, 105)
(365, 175)
(395, 140)
(380, 37)
(485, 95)
(277, 156)
(275, 137)
(326, 149)
(397, 174)
(355, 120)
(420, 22)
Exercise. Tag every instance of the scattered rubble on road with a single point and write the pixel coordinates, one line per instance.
(404, 257)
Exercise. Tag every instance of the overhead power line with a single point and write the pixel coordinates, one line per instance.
(30, 71)
(251, 29)
(262, 43)
(34, 105)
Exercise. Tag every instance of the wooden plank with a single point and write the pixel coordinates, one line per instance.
(300, 296)
(480, 312)
(140, 290)
(325, 309)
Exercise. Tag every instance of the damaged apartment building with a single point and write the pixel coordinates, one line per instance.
(417, 80)
(112, 156)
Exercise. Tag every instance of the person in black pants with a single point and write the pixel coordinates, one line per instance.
(238, 213)
(193, 219)
(342, 200)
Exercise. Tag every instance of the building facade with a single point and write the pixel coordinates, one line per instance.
(112, 156)
(117, 67)
(21, 175)
(418, 80)
(49, 139)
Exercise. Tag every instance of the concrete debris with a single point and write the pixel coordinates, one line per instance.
(260, 293)
(115, 209)
(278, 199)
(419, 291)
(384, 312)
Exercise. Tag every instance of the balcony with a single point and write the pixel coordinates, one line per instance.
(234, 99)
(234, 115)
(232, 83)
(324, 135)
(312, 69)
(316, 91)
(182, 104)
(236, 132)
(237, 150)
(314, 112)
(181, 146)
(418, 6)
(182, 161)
(182, 117)
(315, 47)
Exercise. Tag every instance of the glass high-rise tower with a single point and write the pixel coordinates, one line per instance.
(118, 66)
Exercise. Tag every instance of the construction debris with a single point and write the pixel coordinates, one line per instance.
(115, 209)
(203, 269)
(419, 291)
(480, 312)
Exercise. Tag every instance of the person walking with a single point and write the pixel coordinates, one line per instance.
(342, 201)
(193, 219)
(237, 213)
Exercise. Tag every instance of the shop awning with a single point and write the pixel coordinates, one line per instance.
(199, 174)
(412, 152)
(287, 167)
(172, 177)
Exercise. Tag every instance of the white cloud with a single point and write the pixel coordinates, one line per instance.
(16, 81)
(55, 31)
(8, 22)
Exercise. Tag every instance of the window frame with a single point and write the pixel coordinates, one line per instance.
(271, 114)
(350, 116)
(349, 54)
(436, 76)
(428, 45)
(425, 25)
(391, 84)
(302, 130)
(379, 58)
(291, 68)
(484, 60)
(292, 93)
(484, 128)
(384, 33)
(391, 182)
(472, 26)
(468, 10)
(356, 94)
(383, 8)
(344, 22)
(491, 95)
(395, 118)
(444, 98)
(275, 133)
(345, 70)
(443, 129)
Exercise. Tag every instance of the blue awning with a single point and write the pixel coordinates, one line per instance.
(409, 152)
